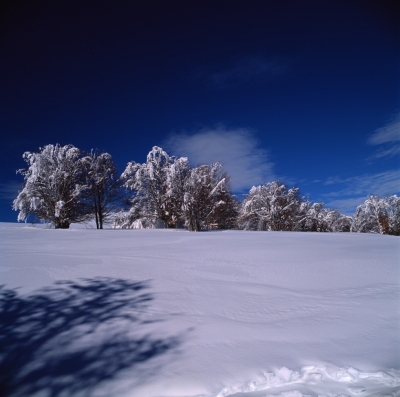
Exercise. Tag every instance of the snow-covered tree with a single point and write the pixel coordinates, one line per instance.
(178, 173)
(148, 181)
(169, 193)
(378, 215)
(342, 223)
(202, 200)
(270, 207)
(372, 216)
(313, 217)
(394, 215)
(53, 187)
(226, 212)
(104, 194)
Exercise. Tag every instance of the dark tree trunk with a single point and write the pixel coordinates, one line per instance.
(100, 209)
(61, 225)
(194, 225)
(96, 214)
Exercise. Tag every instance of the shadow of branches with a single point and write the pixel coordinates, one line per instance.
(67, 339)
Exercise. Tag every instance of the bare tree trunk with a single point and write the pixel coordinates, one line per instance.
(96, 210)
(383, 224)
(100, 209)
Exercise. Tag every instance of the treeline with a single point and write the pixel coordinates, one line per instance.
(62, 185)
(273, 207)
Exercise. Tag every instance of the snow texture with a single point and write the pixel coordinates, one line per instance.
(157, 313)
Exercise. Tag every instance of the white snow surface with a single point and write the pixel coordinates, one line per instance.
(157, 313)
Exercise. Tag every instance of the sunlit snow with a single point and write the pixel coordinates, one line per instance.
(156, 313)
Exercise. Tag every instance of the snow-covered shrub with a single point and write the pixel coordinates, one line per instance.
(53, 187)
(123, 220)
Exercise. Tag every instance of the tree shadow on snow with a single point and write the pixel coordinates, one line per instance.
(69, 338)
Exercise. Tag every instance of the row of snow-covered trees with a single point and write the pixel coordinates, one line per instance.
(168, 192)
(273, 207)
(63, 185)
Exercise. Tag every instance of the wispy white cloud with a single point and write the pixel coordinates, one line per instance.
(388, 152)
(347, 205)
(387, 138)
(350, 192)
(9, 190)
(381, 183)
(249, 69)
(237, 149)
(353, 191)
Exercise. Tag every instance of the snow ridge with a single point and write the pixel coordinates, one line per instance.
(342, 382)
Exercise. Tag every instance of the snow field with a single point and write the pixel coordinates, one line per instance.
(249, 314)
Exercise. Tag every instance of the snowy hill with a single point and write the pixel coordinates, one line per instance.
(148, 313)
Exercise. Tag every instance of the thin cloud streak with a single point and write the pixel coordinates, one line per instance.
(237, 150)
(247, 70)
(382, 183)
(388, 138)
(353, 191)
(9, 190)
(389, 152)
(346, 206)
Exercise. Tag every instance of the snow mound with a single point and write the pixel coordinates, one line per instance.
(341, 382)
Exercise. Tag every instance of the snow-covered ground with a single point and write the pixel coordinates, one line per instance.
(148, 313)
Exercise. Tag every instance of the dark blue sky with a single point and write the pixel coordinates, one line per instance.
(307, 92)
